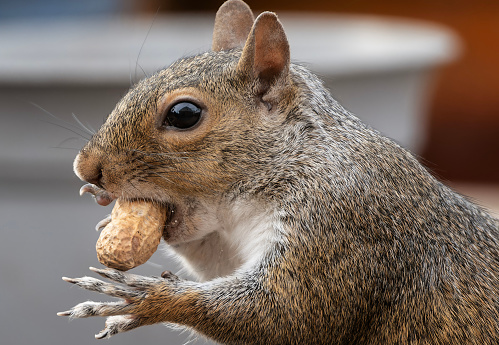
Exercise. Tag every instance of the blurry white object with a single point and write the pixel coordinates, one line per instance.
(379, 68)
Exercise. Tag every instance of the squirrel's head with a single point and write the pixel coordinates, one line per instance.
(196, 127)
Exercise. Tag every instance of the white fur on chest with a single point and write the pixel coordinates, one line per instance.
(248, 230)
(237, 236)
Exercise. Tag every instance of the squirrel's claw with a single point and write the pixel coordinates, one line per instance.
(130, 279)
(118, 324)
(110, 289)
(87, 309)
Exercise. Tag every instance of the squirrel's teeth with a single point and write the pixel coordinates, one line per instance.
(102, 197)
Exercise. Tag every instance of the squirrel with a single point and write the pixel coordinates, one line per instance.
(301, 224)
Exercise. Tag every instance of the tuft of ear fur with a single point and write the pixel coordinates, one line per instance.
(233, 24)
(266, 53)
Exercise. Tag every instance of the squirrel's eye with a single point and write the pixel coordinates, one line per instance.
(182, 115)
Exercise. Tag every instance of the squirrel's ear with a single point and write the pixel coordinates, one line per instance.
(266, 52)
(233, 23)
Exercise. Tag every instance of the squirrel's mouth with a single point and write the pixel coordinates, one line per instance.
(172, 220)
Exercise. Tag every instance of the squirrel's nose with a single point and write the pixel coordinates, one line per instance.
(88, 168)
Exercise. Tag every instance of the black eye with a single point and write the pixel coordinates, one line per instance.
(182, 115)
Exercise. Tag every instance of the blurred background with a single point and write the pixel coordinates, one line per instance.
(424, 73)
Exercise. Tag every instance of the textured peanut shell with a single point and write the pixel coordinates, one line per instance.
(132, 236)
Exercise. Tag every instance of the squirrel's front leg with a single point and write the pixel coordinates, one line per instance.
(146, 300)
(234, 309)
(227, 309)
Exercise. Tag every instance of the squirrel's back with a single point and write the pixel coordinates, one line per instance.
(408, 258)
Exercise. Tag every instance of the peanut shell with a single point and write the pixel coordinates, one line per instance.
(133, 234)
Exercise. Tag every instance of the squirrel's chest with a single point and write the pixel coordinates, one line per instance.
(237, 236)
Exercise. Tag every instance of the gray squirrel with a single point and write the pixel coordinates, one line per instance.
(302, 224)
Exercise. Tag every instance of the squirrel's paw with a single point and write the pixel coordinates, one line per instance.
(125, 315)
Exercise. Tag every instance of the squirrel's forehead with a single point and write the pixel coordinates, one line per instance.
(199, 67)
(194, 71)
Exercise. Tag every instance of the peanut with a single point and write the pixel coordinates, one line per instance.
(133, 234)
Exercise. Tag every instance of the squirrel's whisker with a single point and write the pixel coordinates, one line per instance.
(62, 123)
(86, 128)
